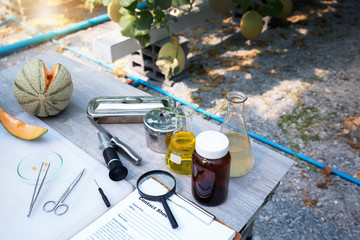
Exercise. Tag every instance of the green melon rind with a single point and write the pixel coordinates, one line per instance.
(30, 83)
(26, 91)
(17, 122)
(33, 69)
(28, 139)
(248, 22)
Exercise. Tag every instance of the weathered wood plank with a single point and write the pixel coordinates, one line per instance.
(246, 194)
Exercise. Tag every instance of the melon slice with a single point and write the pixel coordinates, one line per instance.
(20, 129)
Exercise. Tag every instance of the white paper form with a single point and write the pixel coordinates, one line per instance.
(85, 203)
(137, 218)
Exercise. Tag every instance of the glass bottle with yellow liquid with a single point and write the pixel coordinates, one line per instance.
(234, 127)
(182, 144)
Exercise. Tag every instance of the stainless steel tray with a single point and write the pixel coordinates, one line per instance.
(127, 109)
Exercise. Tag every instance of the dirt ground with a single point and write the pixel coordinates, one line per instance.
(302, 79)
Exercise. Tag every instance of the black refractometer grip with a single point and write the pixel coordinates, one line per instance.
(117, 170)
(110, 155)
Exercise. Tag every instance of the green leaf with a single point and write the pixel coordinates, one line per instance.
(127, 22)
(143, 24)
(159, 17)
(151, 5)
(144, 40)
(271, 9)
(168, 66)
(126, 3)
(164, 4)
(246, 4)
(128, 9)
(133, 26)
(178, 3)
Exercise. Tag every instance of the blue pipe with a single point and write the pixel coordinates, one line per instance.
(138, 81)
(57, 33)
(253, 135)
(21, 23)
(4, 21)
(142, 5)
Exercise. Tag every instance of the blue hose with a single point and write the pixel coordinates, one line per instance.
(4, 21)
(253, 135)
(138, 81)
(57, 33)
(49, 36)
(21, 23)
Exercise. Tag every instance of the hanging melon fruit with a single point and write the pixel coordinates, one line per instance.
(223, 6)
(113, 11)
(40, 92)
(251, 24)
(286, 9)
(171, 59)
(20, 129)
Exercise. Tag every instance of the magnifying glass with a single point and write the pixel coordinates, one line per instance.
(147, 190)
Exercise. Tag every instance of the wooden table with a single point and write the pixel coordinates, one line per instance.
(247, 194)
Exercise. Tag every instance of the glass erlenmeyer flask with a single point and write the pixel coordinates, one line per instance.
(234, 127)
(182, 144)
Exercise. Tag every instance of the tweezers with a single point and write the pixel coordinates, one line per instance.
(36, 194)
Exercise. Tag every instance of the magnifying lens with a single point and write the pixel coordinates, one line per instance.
(147, 190)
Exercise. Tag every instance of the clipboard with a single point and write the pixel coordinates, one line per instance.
(85, 203)
(15, 217)
(138, 218)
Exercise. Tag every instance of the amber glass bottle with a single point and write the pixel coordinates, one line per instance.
(211, 168)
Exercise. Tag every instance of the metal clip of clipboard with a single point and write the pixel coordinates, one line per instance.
(196, 210)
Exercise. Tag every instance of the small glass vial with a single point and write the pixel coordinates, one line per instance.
(211, 168)
(182, 143)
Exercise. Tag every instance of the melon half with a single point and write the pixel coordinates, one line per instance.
(20, 129)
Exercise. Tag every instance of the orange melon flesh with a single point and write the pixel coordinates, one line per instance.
(20, 129)
(49, 76)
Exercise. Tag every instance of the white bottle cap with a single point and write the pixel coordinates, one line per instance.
(212, 144)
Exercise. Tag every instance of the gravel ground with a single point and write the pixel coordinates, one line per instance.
(302, 80)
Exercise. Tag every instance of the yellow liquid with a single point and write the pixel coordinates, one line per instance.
(178, 156)
(242, 158)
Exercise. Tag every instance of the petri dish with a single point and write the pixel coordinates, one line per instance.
(29, 167)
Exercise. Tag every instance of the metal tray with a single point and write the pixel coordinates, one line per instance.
(127, 109)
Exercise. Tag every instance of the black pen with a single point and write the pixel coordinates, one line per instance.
(105, 199)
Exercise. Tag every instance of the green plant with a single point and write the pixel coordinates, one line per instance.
(137, 22)
(305, 123)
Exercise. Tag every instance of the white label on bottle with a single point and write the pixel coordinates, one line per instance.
(175, 158)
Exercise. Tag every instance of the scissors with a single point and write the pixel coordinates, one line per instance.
(59, 207)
